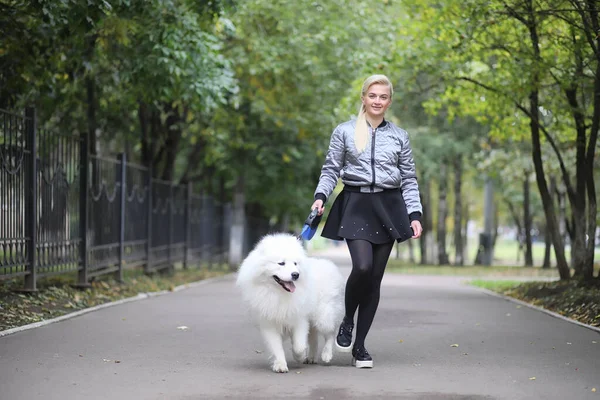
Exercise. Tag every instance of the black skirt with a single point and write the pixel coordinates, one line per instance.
(379, 217)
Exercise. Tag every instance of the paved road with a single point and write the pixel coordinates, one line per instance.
(136, 351)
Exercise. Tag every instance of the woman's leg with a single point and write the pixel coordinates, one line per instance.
(361, 252)
(359, 281)
(370, 300)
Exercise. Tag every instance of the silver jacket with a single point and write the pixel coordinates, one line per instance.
(386, 163)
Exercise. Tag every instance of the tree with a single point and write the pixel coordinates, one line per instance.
(484, 76)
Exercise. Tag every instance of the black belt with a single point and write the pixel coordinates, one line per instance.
(367, 189)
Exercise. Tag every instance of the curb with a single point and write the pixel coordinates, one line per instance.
(524, 303)
(140, 296)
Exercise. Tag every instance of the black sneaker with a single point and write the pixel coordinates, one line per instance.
(361, 358)
(344, 338)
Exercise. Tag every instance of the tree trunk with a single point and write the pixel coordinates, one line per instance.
(485, 250)
(238, 223)
(411, 252)
(143, 118)
(459, 258)
(442, 215)
(588, 269)
(465, 228)
(173, 134)
(517, 222)
(547, 250)
(577, 198)
(534, 123)
(426, 241)
(527, 222)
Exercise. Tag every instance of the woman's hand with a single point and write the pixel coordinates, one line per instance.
(319, 205)
(417, 229)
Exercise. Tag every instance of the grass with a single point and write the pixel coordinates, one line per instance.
(496, 286)
(398, 266)
(505, 252)
(56, 296)
(573, 299)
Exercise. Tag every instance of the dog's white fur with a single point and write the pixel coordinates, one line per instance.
(314, 308)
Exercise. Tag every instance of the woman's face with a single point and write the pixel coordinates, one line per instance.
(377, 100)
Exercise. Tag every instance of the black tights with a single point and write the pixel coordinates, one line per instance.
(364, 283)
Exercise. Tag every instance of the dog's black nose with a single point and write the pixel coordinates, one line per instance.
(295, 276)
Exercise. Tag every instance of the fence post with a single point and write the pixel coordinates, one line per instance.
(31, 202)
(148, 267)
(84, 160)
(123, 167)
(188, 224)
(171, 206)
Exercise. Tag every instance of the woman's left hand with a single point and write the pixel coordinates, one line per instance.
(417, 229)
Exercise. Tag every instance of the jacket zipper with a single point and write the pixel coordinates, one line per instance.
(373, 158)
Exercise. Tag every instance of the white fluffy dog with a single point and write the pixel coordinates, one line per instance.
(292, 295)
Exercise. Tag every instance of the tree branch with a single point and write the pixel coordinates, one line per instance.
(523, 109)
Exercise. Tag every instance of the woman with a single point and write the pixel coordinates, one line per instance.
(380, 204)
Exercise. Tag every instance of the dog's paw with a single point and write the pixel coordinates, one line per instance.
(300, 356)
(280, 366)
(326, 356)
(310, 360)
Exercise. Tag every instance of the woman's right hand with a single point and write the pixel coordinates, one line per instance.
(318, 204)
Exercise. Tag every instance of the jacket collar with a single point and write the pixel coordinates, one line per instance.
(383, 124)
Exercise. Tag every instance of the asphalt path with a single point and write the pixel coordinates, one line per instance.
(433, 338)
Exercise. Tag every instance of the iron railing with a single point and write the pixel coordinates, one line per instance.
(63, 210)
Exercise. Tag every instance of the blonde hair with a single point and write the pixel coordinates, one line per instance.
(361, 131)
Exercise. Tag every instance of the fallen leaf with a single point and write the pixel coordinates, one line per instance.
(400, 341)
(465, 354)
(477, 324)
(519, 306)
(454, 345)
(80, 355)
(593, 341)
(183, 328)
(105, 360)
(258, 351)
(298, 372)
(594, 390)
(117, 362)
(569, 343)
(532, 378)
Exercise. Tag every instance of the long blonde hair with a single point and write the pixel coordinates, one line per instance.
(361, 131)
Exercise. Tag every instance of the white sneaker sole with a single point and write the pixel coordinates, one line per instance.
(362, 364)
(343, 349)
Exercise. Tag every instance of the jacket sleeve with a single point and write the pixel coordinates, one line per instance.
(408, 173)
(334, 161)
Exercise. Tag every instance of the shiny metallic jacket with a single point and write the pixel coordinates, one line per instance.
(386, 163)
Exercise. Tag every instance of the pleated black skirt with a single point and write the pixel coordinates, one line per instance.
(376, 217)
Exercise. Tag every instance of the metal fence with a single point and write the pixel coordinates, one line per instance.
(63, 210)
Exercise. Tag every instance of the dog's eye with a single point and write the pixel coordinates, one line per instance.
(295, 263)
(281, 263)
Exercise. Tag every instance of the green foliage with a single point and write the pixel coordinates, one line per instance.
(214, 90)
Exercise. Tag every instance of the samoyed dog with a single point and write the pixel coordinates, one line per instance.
(291, 295)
